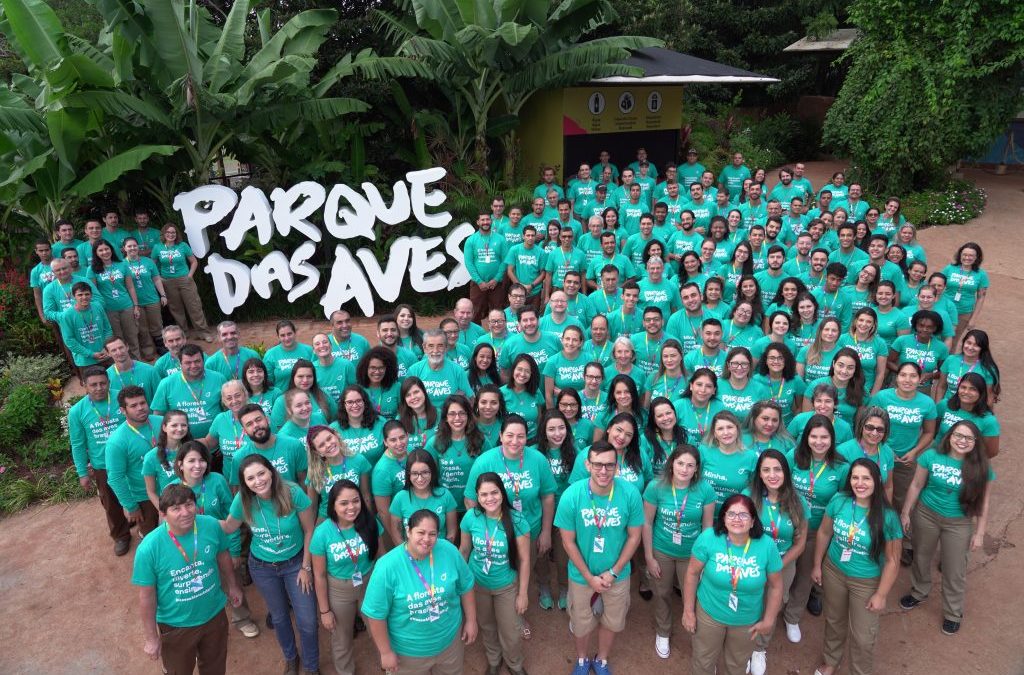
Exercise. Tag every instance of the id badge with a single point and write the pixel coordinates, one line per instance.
(357, 578)
(201, 415)
(517, 504)
(170, 269)
(433, 612)
(956, 297)
(487, 566)
(677, 538)
(114, 293)
(598, 544)
(846, 555)
(734, 602)
(197, 583)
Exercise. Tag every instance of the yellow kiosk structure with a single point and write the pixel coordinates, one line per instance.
(565, 127)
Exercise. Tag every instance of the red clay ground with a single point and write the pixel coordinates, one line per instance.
(68, 606)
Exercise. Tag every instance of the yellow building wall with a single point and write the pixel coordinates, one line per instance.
(540, 134)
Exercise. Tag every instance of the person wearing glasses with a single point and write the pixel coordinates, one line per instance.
(600, 520)
(733, 589)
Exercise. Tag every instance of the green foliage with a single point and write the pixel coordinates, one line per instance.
(21, 331)
(954, 203)
(929, 83)
(258, 347)
(65, 488)
(17, 494)
(21, 412)
(17, 369)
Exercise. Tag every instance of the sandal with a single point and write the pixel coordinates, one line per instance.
(525, 629)
(546, 601)
(563, 600)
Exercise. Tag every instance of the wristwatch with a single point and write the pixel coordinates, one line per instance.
(308, 568)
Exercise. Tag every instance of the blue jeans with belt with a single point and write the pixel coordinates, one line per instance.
(277, 583)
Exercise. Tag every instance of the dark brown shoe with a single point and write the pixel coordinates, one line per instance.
(122, 546)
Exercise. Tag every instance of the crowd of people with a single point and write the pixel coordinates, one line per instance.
(764, 404)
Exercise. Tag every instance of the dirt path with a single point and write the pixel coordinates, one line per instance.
(68, 607)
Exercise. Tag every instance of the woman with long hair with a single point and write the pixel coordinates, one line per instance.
(846, 374)
(416, 413)
(725, 604)
(806, 320)
(496, 544)
(389, 473)
(488, 411)
(871, 434)
(662, 433)
(360, 426)
(784, 515)
(975, 357)
(726, 463)
(584, 433)
(892, 321)
(737, 390)
(298, 407)
(303, 378)
(456, 444)
(409, 334)
(779, 331)
(483, 367)
(523, 394)
(177, 266)
(330, 462)
(951, 492)
(818, 471)
(377, 374)
(764, 429)
(149, 290)
(855, 562)
(677, 507)
(158, 463)
(968, 284)
(749, 289)
(623, 397)
(256, 379)
(565, 369)
(555, 440)
(593, 397)
(923, 346)
(280, 563)
(117, 294)
(776, 372)
(873, 351)
(344, 548)
(669, 380)
(423, 490)
(970, 402)
(815, 360)
(623, 433)
(699, 404)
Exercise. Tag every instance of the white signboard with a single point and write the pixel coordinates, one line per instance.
(348, 216)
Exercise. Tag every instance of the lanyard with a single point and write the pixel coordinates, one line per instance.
(344, 463)
(238, 359)
(851, 532)
(202, 496)
(812, 476)
(430, 587)
(773, 523)
(120, 375)
(152, 438)
(511, 477)
(778, 395)
(352, 555)
(664, 384)
(103, 420)
(608, 305)
(198, 399)
(490, 537)
(927, 348)
(680, 509)
(598, 520)
(969, 370)
(707, 414)
(734, 570)
(195, 543)
(266, 524)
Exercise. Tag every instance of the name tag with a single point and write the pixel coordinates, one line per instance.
(677, 538)
(846, 555)
(598, 544)
(357, 578)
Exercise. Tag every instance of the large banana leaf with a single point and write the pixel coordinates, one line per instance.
(313, 110)
(172, 39)
(17, 115)
(301, 35)
(118, 165)
(33, 28)
(230, 49)
(76, 70)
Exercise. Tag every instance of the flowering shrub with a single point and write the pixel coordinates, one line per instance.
(956, 203)
(21, 331)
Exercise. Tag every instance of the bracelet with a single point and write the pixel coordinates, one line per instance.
(612, 572)
(327, 612)
(307, 568)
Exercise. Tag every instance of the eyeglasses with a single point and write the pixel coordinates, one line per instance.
(568, 404)
(419, 474)
(602, 467)
(456, 413)
(376, 369)
(592, 377)
(874, 428)
(739, 364)
(964, 438)
(740, 516)
(353, 404)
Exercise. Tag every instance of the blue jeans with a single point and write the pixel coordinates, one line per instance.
(280, 590)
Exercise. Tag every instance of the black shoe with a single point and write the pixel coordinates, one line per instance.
(647, 594)
(907, 557)
(360, 625)
(909, 602)
(950, 627)
(270, 621)
(814, 605)
(121, 547)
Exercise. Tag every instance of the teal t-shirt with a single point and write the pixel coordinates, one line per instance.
(199, 399)
(405, 503)
(488, 559)
(338, 547)
(728, 474)
(141, 374)
(580, 511)
(638, 479)
(565, 372)
(230, 366)
(90, 424)
(368, 442)
(696, 420)
(280, 361)
(275, 538)
(188, 587)
(228, 434)
(388, 477)
(420, 601)
(351, 468)
(783, 392)
(441, 384)
(740, 401)
(722, 560)
(126, 448)
(526, 481)
(988, 423)
(84, 332)
(526, 405)
(286, 454)
(869, 352)
(929, 355)
(847, 517)
(891, 323)
(885, 458)
(905, 418)
(385, 401)
(843, 430)
(963, 287)
(845, 410)
(172, 261)
(779, 524)
(816, 371)
(818, 483)
(453, 467)
(678, 518)
(141, 272)
(112, 285)
(941, 493)
(667, 386)
(164, 475)
(954, 368)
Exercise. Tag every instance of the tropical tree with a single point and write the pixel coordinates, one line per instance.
(492, 55)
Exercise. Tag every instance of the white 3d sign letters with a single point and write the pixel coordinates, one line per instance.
(345, 214)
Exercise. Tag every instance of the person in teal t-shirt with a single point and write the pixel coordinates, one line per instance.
(125, 450)
(158, 463)
(84, 327)
(331, 461)
(344, 548)
(600, 521)
(281, 358)
(418, 598)
(734, 581)
(726, 463)
(422, 490)
(181, 569)
(278, 513)
(194, 390)
(496, 544)
(287, 455)
(678, 506)
(856, 561)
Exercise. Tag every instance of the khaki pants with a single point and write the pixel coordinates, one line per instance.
(902, 475)
(448, 662)
(846, 616)
(345, 600)
(552, 569)
(125, 326)
(800, 588)
(182, 299)
(181, 648)
(788, 574)
(484, 301)
(151, 324)
(672, 569)
(616, 605)
(499, 625)
(117, 524)
(954, 535)
(713, 640)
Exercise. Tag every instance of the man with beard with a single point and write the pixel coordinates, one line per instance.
(484, 254)
(285, 453)
(123, 455)
(229, 359)
(441, 377)
(195, 391)
(388, 335)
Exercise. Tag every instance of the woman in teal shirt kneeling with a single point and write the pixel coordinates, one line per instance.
(733, 589)
(496, 544)
(417, 599)
(344, 548)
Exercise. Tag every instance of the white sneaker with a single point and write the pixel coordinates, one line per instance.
(758, 663)
(793, 632)
(661, 646)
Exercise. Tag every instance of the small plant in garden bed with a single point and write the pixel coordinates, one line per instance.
(955, 203)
